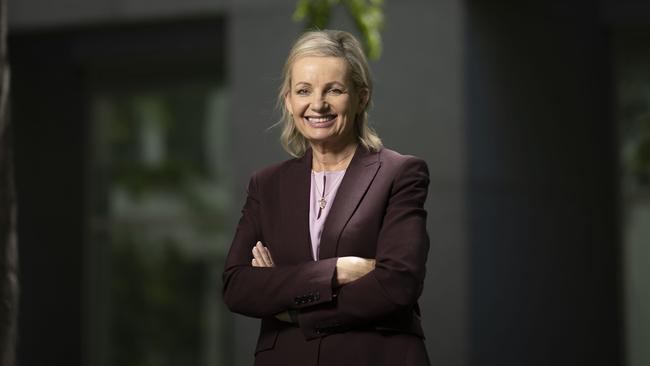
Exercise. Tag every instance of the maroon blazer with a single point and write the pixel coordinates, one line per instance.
(377, 213)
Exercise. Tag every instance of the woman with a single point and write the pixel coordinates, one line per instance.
(331, 247)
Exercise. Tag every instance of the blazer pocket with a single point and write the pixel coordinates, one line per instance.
(266, 341)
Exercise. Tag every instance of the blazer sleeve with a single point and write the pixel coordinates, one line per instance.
(397, 280)
(262, 292)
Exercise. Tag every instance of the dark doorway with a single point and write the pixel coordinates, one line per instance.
(108, 110)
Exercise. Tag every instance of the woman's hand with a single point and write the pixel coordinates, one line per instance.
(261, 256)
(349, 269)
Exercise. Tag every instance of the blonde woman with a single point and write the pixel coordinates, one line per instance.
(331, 247)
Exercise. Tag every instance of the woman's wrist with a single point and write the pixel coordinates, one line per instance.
(351, 268)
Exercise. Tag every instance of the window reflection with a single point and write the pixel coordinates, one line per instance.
(632, 57)
(159, 231)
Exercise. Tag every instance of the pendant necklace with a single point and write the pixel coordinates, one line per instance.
(322, 202)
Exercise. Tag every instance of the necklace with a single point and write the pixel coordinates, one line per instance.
(322, 202)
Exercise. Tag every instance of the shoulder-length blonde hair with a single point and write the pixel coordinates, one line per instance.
(327, 43)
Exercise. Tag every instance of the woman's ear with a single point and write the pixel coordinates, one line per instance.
(287, 104)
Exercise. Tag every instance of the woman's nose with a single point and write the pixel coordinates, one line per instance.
(319, 104)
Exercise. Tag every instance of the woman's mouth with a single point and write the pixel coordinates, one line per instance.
(321, 121)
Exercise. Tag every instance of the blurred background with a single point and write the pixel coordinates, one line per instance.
(137, 123)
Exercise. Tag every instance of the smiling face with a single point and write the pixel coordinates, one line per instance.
(323, 101)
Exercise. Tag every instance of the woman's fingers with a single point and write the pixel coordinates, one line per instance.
(268, 256)
(258, 261)
(261, 256)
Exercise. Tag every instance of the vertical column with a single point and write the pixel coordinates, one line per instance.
(544, 279)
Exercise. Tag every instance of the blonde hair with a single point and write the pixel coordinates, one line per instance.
(327, 43)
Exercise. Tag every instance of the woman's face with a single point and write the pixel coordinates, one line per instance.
(323, 101)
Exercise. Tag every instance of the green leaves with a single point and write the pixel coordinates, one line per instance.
(315, 12)
(368, 16)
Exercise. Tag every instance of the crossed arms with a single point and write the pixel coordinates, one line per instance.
(335, 292)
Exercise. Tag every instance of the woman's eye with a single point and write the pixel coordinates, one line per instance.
(302, 91)
(335, 91)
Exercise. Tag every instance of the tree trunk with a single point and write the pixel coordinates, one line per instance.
(8, 249)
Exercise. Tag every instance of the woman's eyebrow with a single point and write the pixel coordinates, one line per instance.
(326, 85)
(339, 83)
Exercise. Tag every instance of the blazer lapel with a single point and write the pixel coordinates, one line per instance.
(355, 183)
(298, 186)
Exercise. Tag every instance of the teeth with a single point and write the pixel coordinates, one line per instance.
(320, 119)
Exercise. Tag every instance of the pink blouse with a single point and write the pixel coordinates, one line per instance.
(324, 186)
